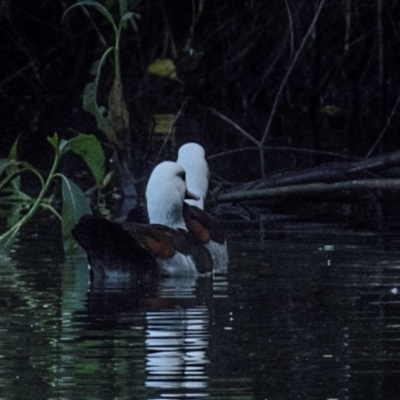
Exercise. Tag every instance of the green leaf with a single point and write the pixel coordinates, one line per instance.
(75, 205)
(96, 67)
(54, 141)
(135, 27)
(90, 100)
(15, 213)
(7, 238)
(127, 16)
(13, 154)
(13, 169)
(123, 8)
(90, 105)
(91, 151)
(64, 146)
(4, 163)
(95, 4)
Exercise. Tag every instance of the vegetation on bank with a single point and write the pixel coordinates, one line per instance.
(312, 75)
(74, 201)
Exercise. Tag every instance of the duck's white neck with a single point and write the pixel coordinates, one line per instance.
(192, 158)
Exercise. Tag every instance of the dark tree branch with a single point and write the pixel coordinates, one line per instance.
(309, 188)
(324, 178)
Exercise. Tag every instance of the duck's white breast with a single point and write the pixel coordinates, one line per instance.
(178, 265)
(219, 255)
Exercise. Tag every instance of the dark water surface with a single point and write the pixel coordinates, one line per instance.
(304, 312)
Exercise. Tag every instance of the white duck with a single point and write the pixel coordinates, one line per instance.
(192, 157)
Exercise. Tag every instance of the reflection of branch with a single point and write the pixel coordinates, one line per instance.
(309, 188)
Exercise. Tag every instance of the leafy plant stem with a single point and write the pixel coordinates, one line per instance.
(43, 192)
(19, 172)
(39, 199)
(52, 209)
(116, 53)
(22, 196)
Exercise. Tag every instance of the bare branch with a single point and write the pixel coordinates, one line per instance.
(310, 188)
(289, 71)
(290, 29)
(285, 149)
(236, 126)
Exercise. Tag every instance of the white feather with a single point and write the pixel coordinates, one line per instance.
(192, 158)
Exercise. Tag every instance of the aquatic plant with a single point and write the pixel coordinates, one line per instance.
(116, 119)
(112, 120)
(74, 205)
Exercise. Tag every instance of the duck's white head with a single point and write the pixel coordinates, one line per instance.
(165, 194)
(192, 158)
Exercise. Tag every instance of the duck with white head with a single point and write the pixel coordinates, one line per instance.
(203, 226)
(164, 245)
(192, 157)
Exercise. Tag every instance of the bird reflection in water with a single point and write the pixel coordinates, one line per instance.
(177, 340)
(175, 318)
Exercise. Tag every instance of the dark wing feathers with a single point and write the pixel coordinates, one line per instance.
(134, 247)
(202, 225)
(163, 241)
(152, 237)
(109, 246)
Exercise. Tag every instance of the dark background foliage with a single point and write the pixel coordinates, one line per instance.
(341, 95)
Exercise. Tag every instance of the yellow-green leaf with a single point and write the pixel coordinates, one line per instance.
(163, 67)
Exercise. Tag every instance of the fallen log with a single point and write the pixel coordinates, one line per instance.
(308, 189)
(327, 173)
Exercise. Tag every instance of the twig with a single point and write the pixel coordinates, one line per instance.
(236, 126)
(167, 137)
(260, 143)
(348, 27)
(290, 28)
(94, 26)
(289, 71)
(284, 149)
(385, 128)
